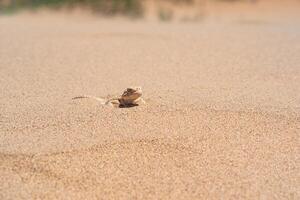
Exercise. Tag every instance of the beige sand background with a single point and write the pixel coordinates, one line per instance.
(221, 120)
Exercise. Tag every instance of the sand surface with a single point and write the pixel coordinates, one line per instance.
(222, 118)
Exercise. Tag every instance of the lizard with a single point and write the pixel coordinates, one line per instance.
(132, 96)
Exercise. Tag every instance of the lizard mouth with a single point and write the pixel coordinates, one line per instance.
(133, 96)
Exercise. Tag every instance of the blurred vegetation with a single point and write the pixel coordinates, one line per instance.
(109, 7)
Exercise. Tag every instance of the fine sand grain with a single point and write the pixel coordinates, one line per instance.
(222, 118)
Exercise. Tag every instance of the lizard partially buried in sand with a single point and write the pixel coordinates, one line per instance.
(132, 96)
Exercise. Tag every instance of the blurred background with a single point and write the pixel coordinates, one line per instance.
(164, 10)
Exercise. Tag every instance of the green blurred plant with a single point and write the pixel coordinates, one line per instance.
(109, 7)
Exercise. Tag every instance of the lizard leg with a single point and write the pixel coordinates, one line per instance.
(139, 101)
(112, 103)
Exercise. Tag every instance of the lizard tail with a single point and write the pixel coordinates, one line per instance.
(101, 100)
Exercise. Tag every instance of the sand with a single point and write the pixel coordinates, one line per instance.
(221, 119)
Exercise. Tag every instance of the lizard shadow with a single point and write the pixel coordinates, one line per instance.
(127, 106)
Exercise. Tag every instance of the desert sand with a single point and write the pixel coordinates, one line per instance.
(221, 119)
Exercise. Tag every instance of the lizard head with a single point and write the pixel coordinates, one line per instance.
(132, 93)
